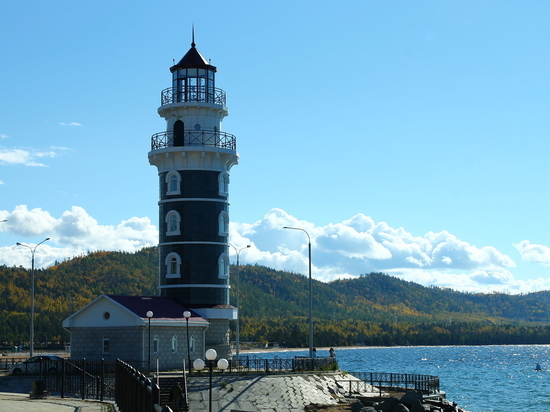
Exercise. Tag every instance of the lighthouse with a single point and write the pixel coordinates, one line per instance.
(193, 157)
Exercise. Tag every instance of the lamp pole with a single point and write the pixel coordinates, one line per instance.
(237, 326)
(31, 344)
(310, 291)
(149, 316)
(187, 315)
(199, 364)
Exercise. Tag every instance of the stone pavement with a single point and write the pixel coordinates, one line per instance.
(266, 393)
(257, 393)
(20, 402)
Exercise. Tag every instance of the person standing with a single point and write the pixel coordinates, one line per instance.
(175, 395)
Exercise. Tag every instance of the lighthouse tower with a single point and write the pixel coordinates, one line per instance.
(194, 157)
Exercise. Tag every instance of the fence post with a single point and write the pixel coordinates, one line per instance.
(102, 379)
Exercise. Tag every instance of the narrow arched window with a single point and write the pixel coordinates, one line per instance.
(156, 344)
(173, 223)
(174, 344)
(179, 133)
(223, 224)
(106, 344)
(173, 265)
(223, 266)
(192, 344)
(223, 183)
(173, 183)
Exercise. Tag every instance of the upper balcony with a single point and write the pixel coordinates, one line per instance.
(210, 138)
(200, 94)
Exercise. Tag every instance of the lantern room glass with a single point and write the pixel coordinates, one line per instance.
(193, 85)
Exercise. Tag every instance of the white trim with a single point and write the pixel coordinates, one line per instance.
(195, 285)
(192, 243)
(193, 199)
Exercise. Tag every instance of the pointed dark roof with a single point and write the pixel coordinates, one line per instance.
(162, 308)
(193, 59)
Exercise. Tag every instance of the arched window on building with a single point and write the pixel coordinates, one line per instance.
(173, 223)
(106, 344)
(223, 184)
(155, 344)
(223, 224)
(173, 183)
(174, 344)
(223, 266)
(173, 265)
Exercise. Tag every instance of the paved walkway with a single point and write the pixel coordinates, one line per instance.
(266, 393)
(19, 402)
(258, 393)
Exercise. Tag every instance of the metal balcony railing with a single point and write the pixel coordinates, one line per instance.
(210, 138)
(200, 94)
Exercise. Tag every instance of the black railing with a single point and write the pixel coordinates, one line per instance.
(246, 364)
(200, 94)
(197, 138)
(134, 391)
(80, 379)
(390, 382)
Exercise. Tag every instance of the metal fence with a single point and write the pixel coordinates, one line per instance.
(134, 391)
(254, 363)
(81, 379)
(390, 382)
(198, 138)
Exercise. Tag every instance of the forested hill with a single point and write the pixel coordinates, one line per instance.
(374, 309)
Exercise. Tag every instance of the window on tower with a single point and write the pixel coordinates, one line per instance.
(223, 183)
(173, 223)
(223, 266)
(223, 221)
(174, 344)
(173, 265)
(173, 183)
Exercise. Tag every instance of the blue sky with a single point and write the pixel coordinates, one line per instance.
(406, 137)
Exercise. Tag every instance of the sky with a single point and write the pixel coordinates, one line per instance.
(409, 138)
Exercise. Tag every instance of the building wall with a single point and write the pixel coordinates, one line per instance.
(217, 337)
(131, 345)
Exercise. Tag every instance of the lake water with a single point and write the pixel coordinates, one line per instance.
(477, 378)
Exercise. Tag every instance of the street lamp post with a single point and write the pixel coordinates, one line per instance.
(310, 291)
(199, 364)
(187, 315)
(149, 316)
(237, 326)
(32, 249)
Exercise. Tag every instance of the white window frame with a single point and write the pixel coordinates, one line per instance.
(176, 215)
(223, 266)
(156, 344)
(168, 261)
(106, 345)
(174, 344)
(223, 184)
(223, 224)
(168, 180)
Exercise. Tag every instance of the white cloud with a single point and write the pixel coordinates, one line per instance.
(70, 124)
(3, 136)
(355, 246)
(26, 157)
(533, 253)
(75, 232)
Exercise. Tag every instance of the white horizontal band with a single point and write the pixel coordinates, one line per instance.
(196, 285)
